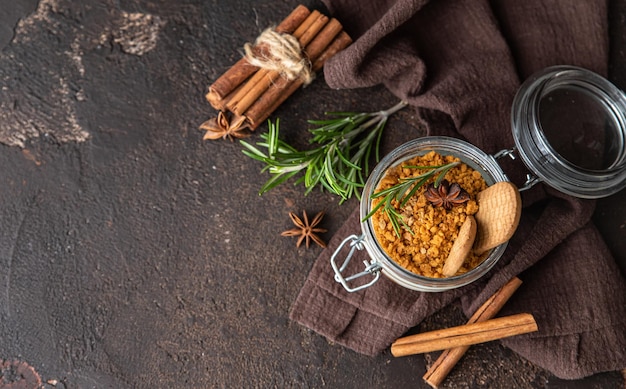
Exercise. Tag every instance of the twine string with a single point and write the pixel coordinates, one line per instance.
(284, 55)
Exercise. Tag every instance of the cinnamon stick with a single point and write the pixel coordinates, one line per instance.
(466, 335)
(449, 358)
(263, 78)
(219, 103)
(342, 41)
(315, 48)
(267, 103)
(241, 70)
(311, 32)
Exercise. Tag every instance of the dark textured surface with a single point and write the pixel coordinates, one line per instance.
(134, 254)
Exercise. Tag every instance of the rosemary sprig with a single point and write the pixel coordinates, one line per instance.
(340, 161)
(403, 191)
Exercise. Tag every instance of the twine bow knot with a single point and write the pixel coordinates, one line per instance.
(284, 56)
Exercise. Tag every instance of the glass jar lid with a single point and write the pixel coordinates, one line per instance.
(569, 126)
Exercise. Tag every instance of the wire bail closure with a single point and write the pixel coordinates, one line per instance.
(531, 179)
(371, 268)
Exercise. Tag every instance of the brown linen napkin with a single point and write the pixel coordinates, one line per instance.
(459, 63)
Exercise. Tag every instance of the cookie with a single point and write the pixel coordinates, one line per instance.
(499, 212)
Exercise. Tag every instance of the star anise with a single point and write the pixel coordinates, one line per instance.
(446, 195)
(223, 127)
(307, 231)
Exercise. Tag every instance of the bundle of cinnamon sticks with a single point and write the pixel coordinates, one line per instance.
(246, 94)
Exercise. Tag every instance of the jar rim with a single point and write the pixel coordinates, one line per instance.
(539, 155)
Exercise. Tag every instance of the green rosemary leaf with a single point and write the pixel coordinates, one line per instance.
(374, 210)
(404, 190)
(350, 182)
(326, 186)
(312, 175)
(393, 216)
(339, 161)
(386, 192)
(342, 113)
(276, 180)
(329, 175)
(442, 172)
(272, 138)
(422, 167)
(347, 161)
(406, 226)
(253, 152)
(415, 188)
(322, 123)
(383, 193)
(330, 131)
(378, 138)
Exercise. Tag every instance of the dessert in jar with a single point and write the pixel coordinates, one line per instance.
(420, 230)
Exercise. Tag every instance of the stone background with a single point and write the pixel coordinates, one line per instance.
(134, 254)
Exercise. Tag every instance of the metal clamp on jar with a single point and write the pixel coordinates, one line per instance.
(569, 126)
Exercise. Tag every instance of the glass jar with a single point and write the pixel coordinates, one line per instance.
(569, 126)
(380, 261)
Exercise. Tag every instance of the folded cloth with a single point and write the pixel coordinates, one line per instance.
(459, 64)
